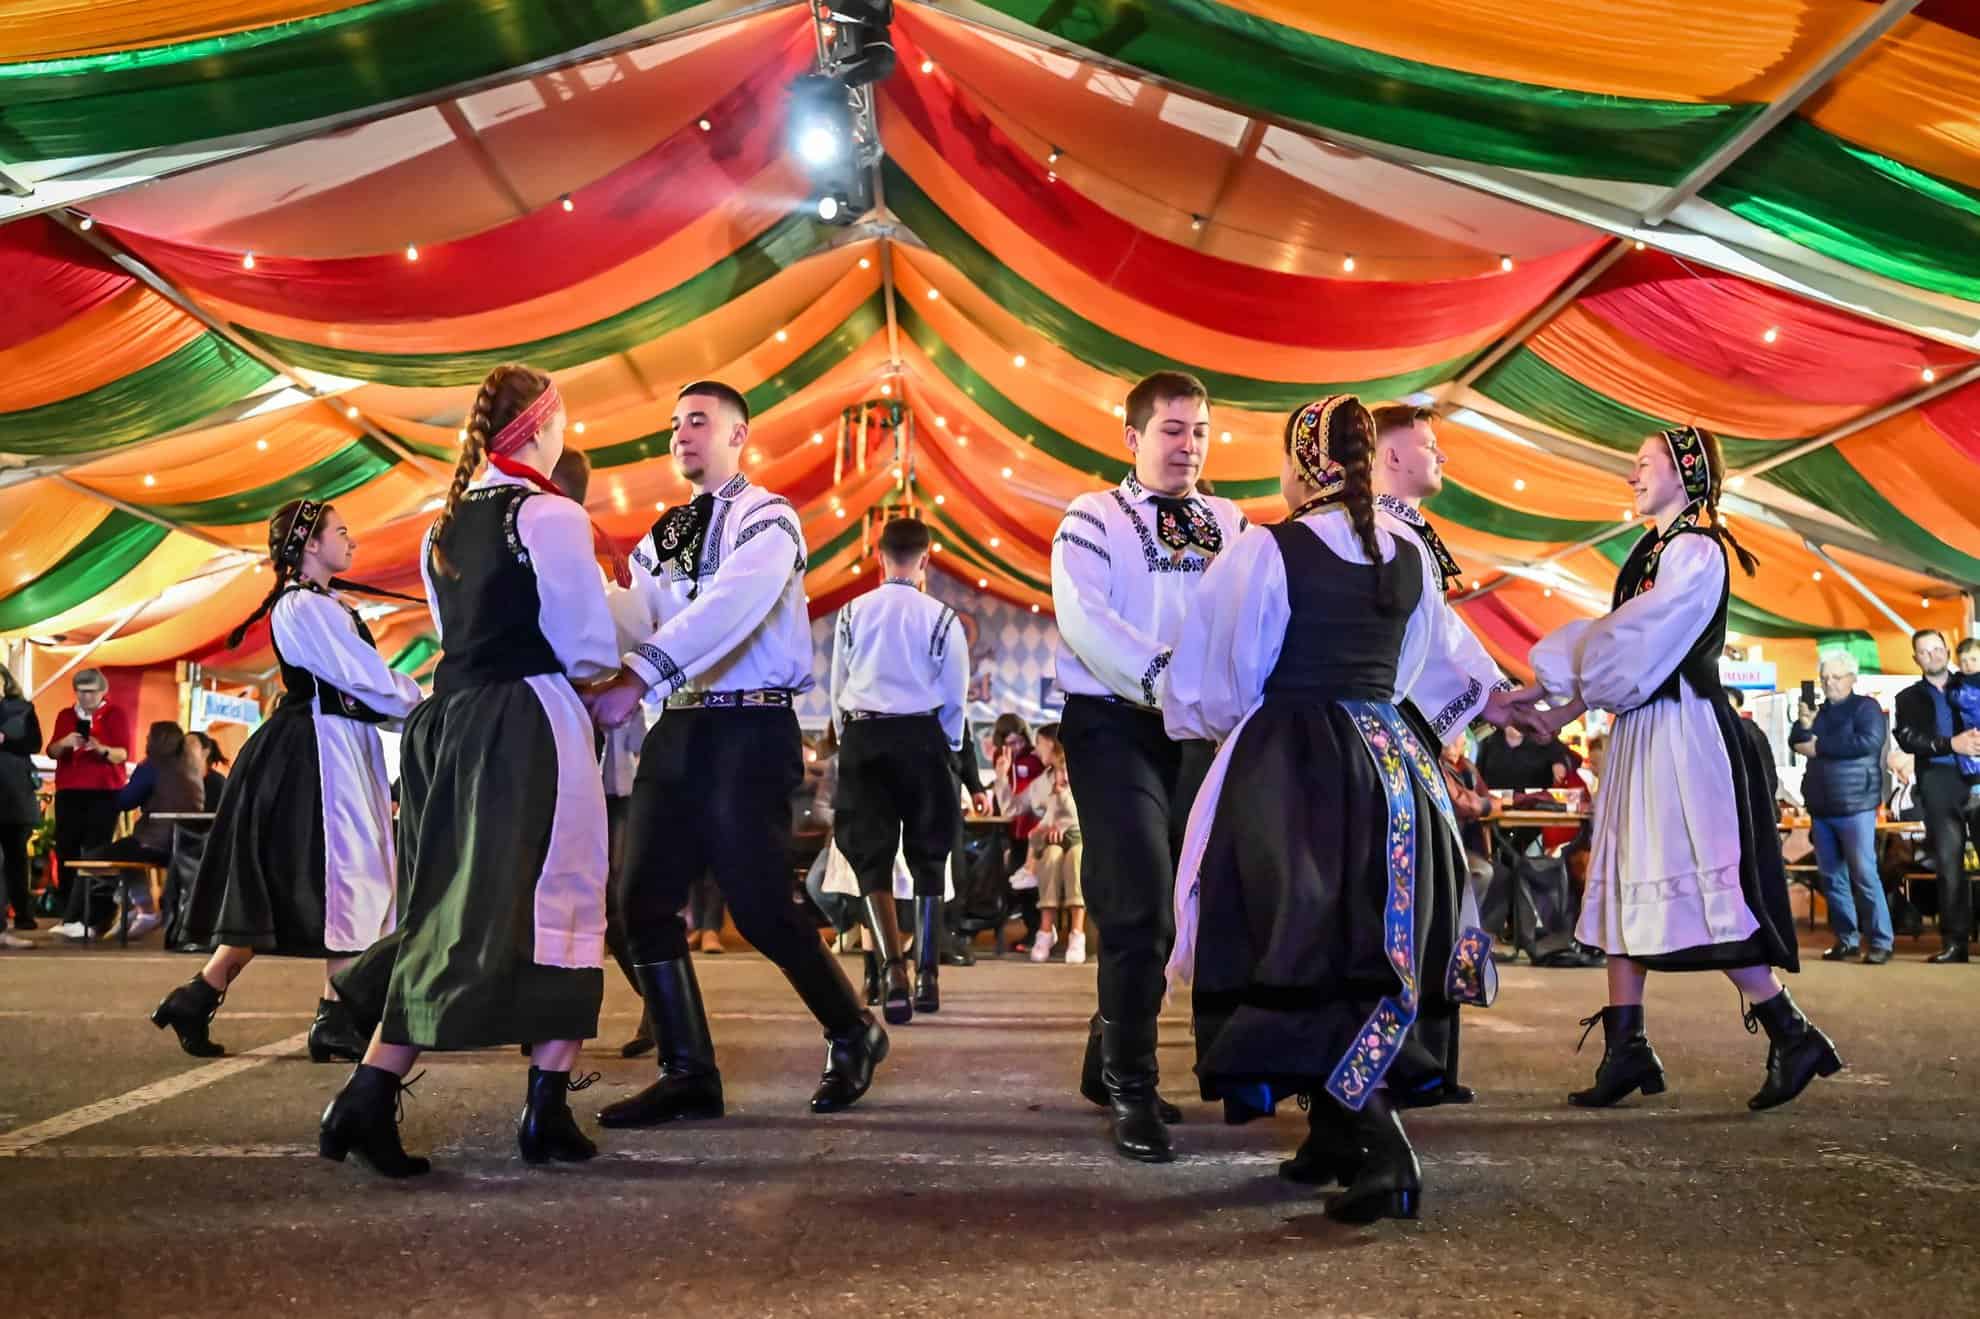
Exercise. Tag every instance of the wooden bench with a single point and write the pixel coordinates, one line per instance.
(121, 871)
(1810, 877)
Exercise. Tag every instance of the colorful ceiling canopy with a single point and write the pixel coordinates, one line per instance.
(1287, 200)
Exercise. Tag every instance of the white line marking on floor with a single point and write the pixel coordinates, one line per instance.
(62, 1124)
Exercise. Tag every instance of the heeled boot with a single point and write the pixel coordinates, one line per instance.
(189, 1010)
(1628, 1062)
(1797, 1052)
(928, 934)
(1128, 1069)
(364, 1120)
(855, 1043)
(896, 993)
(1389, 1181)
(689, 1087)
(1330, 1153)
(1093, 1088)
(872, 961)
(334, 1034)
(548, 1129)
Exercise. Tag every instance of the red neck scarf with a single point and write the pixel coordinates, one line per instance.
(608, 554)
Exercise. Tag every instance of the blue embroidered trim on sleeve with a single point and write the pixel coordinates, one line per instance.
(939, 643)
(1154, 671)
(1084, 544)
(1449, 715)
(671, 676)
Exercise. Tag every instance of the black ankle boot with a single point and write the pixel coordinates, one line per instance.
(1127, 1068)
(850, 1058)
(1389, 1182)
(1628, 1061)
(547, 1129)
(189, 1010)
(334, 1034)
(872, 979)
(896, 992)
(927, 954)
(1797, 1052)
(689, 1087)
(1093, 1088)
(1330, 1153)
(364, 1120)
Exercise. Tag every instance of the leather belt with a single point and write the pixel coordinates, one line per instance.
(772, 697)
(854, 716)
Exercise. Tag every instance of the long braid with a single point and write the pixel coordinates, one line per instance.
(1716, 467)
(473, 448)
(1352, 445)
(279, 527)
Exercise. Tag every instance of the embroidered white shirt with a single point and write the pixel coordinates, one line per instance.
(898, 651)
(1448, 695)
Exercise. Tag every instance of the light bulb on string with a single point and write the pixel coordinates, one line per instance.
(704, 125)
(566, 202)
(1505, 263)
(928, 66)
(982, 583)
(782, 335)
(817, 437)
(1052, 156)
(1928, 375)
(1347, 263)
(88, 223)
(247, 261)
(578, 427)
(1773, 333)
(1018, 360)
(934, 295)
(1034, 609)
(412, 252)
(1196, 222)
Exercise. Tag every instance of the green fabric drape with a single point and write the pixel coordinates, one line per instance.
(1476, 512)
(119, 544)
(177, 390)
(818, 554)
(339, 474)
(417, 651)
(1102, 349)
(968, 547)
(1468, 116)
(286, 73)
(783, 244)
(1747, 618)
(1534, 387)
(1826, 478)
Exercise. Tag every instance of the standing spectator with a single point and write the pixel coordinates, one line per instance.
(1056, 854)
(1965, 697)
(20, 809)
(92, 742)
(1926, 729)
(1511, 759)
(1843, 741)
(1750, 729)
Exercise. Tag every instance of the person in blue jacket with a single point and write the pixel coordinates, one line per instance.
(1843, 740)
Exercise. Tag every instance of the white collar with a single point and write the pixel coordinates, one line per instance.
(733, 487)
(1138, 493)
(1400, 508)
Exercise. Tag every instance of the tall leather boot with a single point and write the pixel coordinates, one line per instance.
(189, 1010)
(855, 1044)
(689, 1087)
(1127, 1067)
(547, 1129)
(928, 934)
(896, 994)
(1331, 1151)
(642, 1042)
(872, 961)
(334, 1034)
(1093, 1088)
(1628, 1062)
(364, 1120)
(1797, 1052)
(1389, 1182)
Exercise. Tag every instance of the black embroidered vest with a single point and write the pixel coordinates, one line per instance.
(489, 613)
(1639, 574)
(1338, 646)
(300, 686)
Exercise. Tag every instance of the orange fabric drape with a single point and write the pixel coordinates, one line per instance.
(126, 334)
(62, 29)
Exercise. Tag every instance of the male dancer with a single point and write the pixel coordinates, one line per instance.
(723, 580)
(900, 672)
(1126, 564)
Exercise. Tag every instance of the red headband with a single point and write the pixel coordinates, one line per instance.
(523, 428)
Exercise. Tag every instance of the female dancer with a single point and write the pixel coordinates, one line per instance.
(1684, 873)
(501, 807)
(1322, 866)
(299, 862)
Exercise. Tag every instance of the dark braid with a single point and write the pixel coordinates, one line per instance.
(509, 389)
(279, 527)
(1351, 443)
(1716, 465)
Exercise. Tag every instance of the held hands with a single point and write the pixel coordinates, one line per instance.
(614, 702)
(1966, 743)
(1522, 709)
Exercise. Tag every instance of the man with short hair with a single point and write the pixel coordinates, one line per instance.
(1126, 565)
(1842, 785)
(722, 582)
(1926, 728)
(92, 742)
(900, 674)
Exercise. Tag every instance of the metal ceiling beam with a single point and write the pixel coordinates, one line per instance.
(1850, 579)
(1545, 312)
(148, 516)
(1872, 29)
(1957, 380)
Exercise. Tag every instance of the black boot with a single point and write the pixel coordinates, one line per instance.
(1389, 1182)
(1330, 1153)
(855, 1042)
(1954, 953)
(689, 1087)
(1797, 1052)
(189, 1010)
(896, 994)
(1127, 1067)
(547, 1129)
(872, 979)
(1628, 1061)
(641, 1044)
(927, 954)
(334, 1034)
(364, 1120)
(1093, 1088)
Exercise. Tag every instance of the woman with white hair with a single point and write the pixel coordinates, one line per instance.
(1842, 738)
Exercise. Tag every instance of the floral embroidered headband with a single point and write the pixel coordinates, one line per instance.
(524, 426)
(1309, 446)
(286, 547)
(1688, 454)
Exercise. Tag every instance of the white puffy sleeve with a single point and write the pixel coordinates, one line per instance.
(842, 644)
(314, 632)
(731, 605)
(1219, 668)
(954, 678)
(570, 592)
(1618, 662)
(1445, 669)
(1113, 650)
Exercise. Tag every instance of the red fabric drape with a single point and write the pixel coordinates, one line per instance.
(1218, 294)
(629, 211)
(48, 277)
(1497, 622)
(1957, 417)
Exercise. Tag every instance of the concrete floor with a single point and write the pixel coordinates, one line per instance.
(972, 1179)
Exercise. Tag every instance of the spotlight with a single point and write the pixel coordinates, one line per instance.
(828, 207)
(821, 123)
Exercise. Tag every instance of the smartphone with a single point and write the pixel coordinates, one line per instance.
(82, 728)
(1808, 697)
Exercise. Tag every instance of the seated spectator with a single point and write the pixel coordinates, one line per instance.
(169, 781)
(1014, 768)
(214, 781)
(1055, 854)
(1509, 759)
(1473, 805)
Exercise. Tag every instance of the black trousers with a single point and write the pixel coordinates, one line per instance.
(713, 793)
(1133, 787)
(896, 794)
(1942, 792)
(14, 864)
(85, 819)
(616, 811)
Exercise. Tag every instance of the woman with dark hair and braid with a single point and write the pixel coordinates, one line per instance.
(299, 861)
(502, 935)
(1318, 907)
(1684, 870)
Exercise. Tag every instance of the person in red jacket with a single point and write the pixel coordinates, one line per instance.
(91, 743)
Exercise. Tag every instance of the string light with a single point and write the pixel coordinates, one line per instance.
(934, 295)
(87, 224)
(1639, 244)
(1519, 483)
(943, 422)
(941, 500)
(1007, 473)
(1818, 574)
(1119, 411)
(567, 203)
(1505, 263)
(351, 412)
(704, 125)
(660, 507)
(817, 437)
(1773, 333)
(261, 445)
(897, 473)
(1195, 221)
(783, 335)
(982, 583)
(1928, 375)
(962, 441)
(247, 261)
(412, 252)
(864, 264)
(855, 570)
(578, 426)
(1923, 603)
(1737, 482)
(838, 513)
(936, 548)
(1034, 609)
(1224, 438)
(1051, 176)
(149, 479)
(1629, 514)
(1347, 262)
(928, 66)
(996, 541)
(1018, 360)
(1548, 592)
(1474, 583)
(886, 391)
(1052, 156)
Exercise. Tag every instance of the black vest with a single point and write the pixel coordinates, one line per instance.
(1639, 574)
(489, 612)
(300, 686)
(1338, 645)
